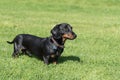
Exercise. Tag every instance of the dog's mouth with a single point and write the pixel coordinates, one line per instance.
(69, 36)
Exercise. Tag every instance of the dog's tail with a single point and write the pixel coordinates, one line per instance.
(10, 42)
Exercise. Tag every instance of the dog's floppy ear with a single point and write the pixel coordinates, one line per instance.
(56, 32)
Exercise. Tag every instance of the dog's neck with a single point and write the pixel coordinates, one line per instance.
(58, 42)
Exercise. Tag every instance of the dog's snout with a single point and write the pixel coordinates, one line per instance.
(74, 35)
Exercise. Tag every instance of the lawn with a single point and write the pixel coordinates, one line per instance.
(97, 46)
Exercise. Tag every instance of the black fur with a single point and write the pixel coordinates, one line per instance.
(48, 49)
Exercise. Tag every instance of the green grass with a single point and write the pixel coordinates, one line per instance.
(96, 23)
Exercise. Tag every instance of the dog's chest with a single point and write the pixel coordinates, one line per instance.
(56, 51)
(53, 49)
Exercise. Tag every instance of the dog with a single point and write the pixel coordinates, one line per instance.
(48, 49)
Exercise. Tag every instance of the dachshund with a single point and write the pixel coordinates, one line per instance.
(48, 49)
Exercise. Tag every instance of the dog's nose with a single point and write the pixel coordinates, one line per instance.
(75, 36)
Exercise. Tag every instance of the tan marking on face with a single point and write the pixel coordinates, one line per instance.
(68, 36)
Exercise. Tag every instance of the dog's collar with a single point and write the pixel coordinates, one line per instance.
(58, 45)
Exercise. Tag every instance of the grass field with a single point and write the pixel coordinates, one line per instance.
(96, 23)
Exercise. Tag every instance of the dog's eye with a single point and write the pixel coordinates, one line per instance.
(67, 30)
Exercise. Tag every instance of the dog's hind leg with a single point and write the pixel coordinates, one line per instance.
(16, 50)
(17, 46)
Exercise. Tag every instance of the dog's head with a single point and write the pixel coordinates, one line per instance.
(63, 30)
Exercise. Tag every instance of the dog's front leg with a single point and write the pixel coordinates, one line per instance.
(46, 59)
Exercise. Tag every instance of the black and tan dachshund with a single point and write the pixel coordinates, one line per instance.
(48, 49)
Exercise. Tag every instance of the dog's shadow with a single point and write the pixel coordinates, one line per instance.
(62, 59)
(69, 58)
